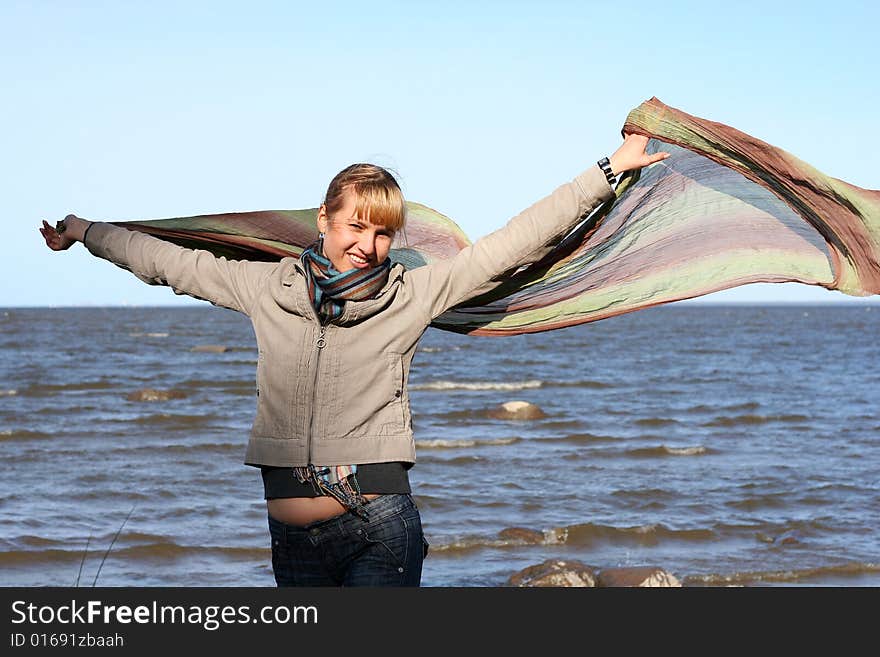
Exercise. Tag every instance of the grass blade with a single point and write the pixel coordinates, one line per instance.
(79, 574)
(118, 531)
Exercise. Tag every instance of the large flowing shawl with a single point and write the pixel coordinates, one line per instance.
(725, 209)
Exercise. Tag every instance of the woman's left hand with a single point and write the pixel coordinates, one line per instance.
(632, 155)
(54, 240)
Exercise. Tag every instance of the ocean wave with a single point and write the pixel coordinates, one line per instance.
(704, 408)
(767, 501)
(466, 414)
(471, 543)
(639, 493)
(655, 421)
(665, 450)
(151, 551)
(470, 415)
(46, 389)
(583, 383)
(148, 335)
(111, 494)
(581, 535)
(189, 448)
(849, 571)
(731, 421)
(241, 388)
(656, 451)
(170, 422)
(177, 419)
(506, 385)
(475, 442)
(477, 385)
(549, 425)
(29, 557)
(759, 529)
(650, 534)
(9, 392)
(37, 541)
(456, 460)
(209, 383)
(23, 434)
(170, 550)
(586, 438)
(94, 478)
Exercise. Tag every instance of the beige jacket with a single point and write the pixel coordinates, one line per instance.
(337, 394)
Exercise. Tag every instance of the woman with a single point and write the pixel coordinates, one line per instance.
(336, 333)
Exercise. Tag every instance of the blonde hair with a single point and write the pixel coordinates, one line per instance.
(379, 198)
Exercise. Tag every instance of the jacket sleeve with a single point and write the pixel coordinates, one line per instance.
(526, 238)
(200, 274)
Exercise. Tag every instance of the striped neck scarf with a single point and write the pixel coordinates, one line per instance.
(330, 289)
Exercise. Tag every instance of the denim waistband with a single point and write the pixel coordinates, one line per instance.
(378, 508)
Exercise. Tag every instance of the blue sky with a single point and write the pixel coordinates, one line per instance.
(129, 110)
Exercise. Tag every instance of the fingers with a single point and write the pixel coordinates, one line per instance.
(632, 153)
(53, 239)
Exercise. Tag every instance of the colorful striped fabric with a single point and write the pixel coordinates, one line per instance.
(725, 209)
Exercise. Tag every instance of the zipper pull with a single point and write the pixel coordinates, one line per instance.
(320, 342)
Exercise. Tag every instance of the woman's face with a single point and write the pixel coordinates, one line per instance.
(352, 242)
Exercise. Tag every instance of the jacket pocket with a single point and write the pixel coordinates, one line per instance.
(398, 372)
(263, 424)
(364, 397)
(260, 371)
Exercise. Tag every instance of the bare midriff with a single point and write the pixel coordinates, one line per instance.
(301, 511)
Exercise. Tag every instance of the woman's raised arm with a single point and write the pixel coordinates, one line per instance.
(197, 273)
(524, 238)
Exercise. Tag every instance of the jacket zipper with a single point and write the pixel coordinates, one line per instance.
(319, 344)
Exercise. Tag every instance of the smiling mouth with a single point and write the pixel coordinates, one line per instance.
(358, 260)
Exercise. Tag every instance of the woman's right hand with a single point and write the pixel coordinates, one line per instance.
(62, 241)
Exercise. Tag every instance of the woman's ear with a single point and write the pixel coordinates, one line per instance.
(322, 219)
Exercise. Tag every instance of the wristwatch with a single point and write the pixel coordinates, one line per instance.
(605, 165)
(60, 226)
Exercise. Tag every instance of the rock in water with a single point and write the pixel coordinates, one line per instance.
(516, 410)
(640, 576)
(211, 348)
(554, 572)
(788, 538)
(150, 395)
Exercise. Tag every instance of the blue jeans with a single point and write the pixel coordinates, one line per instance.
(387, 549)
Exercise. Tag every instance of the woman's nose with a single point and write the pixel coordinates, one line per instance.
(367, 244)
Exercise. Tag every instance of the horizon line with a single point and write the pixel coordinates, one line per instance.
(853, 302)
